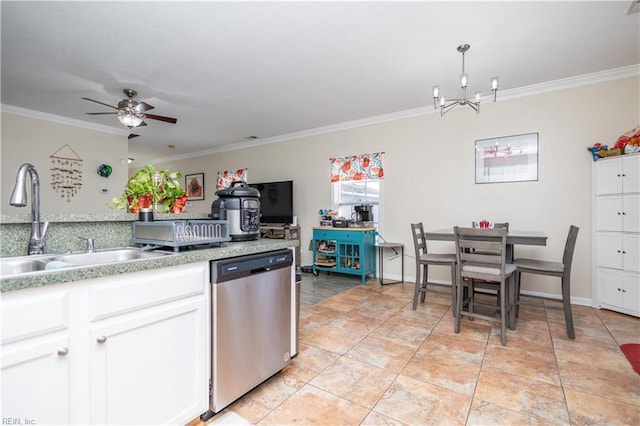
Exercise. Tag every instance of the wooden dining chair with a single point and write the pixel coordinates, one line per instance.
(425, 259)
(554, 269)
(481, 255)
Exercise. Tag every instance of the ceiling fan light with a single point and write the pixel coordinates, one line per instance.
(130, 120)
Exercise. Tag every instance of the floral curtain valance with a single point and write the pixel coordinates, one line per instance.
(357, 167)
(226, 178)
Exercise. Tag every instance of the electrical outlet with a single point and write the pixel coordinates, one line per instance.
(104, 190)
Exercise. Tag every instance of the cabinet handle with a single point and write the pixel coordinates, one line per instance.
(63, 351)
(624, 213)
(101, 339)
(619, 175)
(619, 251)
(619, 290)
(624, 252)
(624, 291)
(619, 213)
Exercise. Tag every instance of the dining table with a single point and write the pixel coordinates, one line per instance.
(514, 237)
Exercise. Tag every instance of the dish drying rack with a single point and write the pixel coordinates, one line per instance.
(180, 233)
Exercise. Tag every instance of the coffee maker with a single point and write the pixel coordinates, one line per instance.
(363, 213)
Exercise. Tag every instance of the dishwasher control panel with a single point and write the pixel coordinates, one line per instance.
(235, 267)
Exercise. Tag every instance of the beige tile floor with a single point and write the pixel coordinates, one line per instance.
(366, 358)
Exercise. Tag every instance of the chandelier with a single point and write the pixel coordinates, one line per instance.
(447, 105)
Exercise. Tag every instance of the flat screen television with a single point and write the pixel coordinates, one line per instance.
(276, 201)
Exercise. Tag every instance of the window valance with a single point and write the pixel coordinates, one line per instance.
(357, 167)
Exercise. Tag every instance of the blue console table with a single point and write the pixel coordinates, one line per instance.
(344, 250)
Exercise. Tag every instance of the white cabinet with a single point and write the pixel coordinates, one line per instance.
(618, 289)
(616, 175)
(36, 377)
(617, 234)
(618, 213)
(128, 349)
(150, 347)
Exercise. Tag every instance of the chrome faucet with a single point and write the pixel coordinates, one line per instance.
(19, 199)
(90, 247)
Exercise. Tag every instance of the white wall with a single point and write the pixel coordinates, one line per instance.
(429, 171)
(31, 140)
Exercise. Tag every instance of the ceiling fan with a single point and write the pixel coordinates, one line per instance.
(132, 113)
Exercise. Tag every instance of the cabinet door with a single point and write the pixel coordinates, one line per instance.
(609, 250)
(609, 286)
(609, 176)
(631, 174)
(36, 381)
(631, 213)
(631, 292)
(151, 366)
(609, 213)
(631, 252)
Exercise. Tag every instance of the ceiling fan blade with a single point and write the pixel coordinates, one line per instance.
(101, 103)
(142, 124)
(161, 118)
(132, 135)
(142, 107)
(101, 113)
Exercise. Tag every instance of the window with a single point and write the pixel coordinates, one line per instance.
(348, 194)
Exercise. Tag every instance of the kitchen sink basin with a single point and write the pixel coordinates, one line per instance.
(12, 266)
(102, 257)
(22, 264)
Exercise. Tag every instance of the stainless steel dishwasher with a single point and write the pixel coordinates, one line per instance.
(251, 329)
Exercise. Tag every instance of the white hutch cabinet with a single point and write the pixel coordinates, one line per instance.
(617, 234)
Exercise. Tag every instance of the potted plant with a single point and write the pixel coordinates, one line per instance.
(150, 188)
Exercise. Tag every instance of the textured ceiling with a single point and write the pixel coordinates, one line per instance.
(228, 70)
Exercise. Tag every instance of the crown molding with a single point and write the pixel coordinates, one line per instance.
(10, 109)
(535, 89)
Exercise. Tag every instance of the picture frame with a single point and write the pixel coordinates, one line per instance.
(507, 159)
(194, 186)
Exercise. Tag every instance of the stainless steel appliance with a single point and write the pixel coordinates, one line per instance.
(253, 322)
(363, 213)
(240, 205)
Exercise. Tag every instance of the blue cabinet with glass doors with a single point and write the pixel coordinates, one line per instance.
(344, 250)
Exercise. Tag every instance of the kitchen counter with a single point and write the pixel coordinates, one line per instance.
(190, 255)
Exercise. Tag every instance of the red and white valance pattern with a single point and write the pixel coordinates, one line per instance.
(357, 167)
(226, 178)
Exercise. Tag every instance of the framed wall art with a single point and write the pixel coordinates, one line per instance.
(194, 185)
(507, 159)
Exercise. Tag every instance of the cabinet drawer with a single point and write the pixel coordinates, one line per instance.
(115, 295)
(25, 315)
(325, 235)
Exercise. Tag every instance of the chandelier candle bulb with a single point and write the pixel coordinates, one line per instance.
(464, 80)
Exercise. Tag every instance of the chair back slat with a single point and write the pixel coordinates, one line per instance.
(419, 240)
(481, 253)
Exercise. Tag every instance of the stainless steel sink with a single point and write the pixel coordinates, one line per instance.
(102, 257)
(20, 265)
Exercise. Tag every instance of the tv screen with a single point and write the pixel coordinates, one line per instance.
(276, 201)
